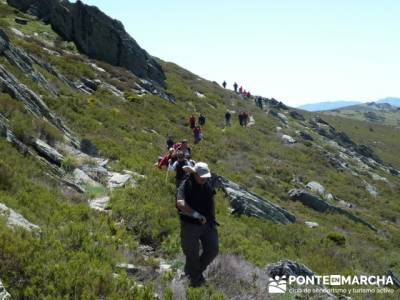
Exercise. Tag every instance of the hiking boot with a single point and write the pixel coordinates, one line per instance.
(198, 281)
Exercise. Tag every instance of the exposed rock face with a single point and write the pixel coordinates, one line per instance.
(100, 204)
(316, 187)
(117, 180)
(322, 206)
(4, 295)
(288, 268)
(287, 139)
(33, 103)
(247, 203)
(16, 219)
(48, 152)
(95, 34)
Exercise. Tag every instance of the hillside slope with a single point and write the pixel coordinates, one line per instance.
(78, 134)
(373, 112)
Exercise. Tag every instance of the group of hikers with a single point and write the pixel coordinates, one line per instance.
(195, 206)
(195, 195)
(239, 90)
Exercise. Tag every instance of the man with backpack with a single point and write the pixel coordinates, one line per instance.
(224, 84)
(235, 87)
(195, 203)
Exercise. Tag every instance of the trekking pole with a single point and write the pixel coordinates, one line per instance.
(166, 175)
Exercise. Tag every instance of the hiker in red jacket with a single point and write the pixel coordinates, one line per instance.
(192, 121)
(166, 159)
(240, 90)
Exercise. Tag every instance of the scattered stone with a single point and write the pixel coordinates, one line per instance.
(4, 295)
(311, 224)
(97, 68)
(17, 32)
(16, 219)
(250, 204)
(283, 118)
(278, 129)
(100, 204)
(316, 187)
(82, 179)
(377, 177)
(287, 139)
(322, 206)
(371, 189)
(117, 180)
(200, 95)
(329, 197)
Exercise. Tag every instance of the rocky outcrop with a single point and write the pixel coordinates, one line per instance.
(250, 204)
(287, 139)
(100, 204)
(95, 34)
(288, 268)
(325, 129)
(4, 295)
(15, 219)
(23, 61)
(48, 152)
(32, 102)
(322, 206)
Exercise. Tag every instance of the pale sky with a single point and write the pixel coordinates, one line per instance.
(295, 51)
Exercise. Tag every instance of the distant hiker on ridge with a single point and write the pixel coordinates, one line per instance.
(235, 87)
(224, 84)
(192, 121)
(195, 203)
(228, 118)
(241, 90)
(202, 120)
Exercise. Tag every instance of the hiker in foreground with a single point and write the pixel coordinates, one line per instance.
(195, 203)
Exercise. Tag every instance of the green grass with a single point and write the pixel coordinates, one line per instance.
(76, 253)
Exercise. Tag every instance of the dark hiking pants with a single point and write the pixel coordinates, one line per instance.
(191, 236)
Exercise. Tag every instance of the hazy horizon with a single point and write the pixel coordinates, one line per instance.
(296, 52)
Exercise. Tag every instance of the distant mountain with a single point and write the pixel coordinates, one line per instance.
(378, 112)
(329, 105)
(391, 101)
